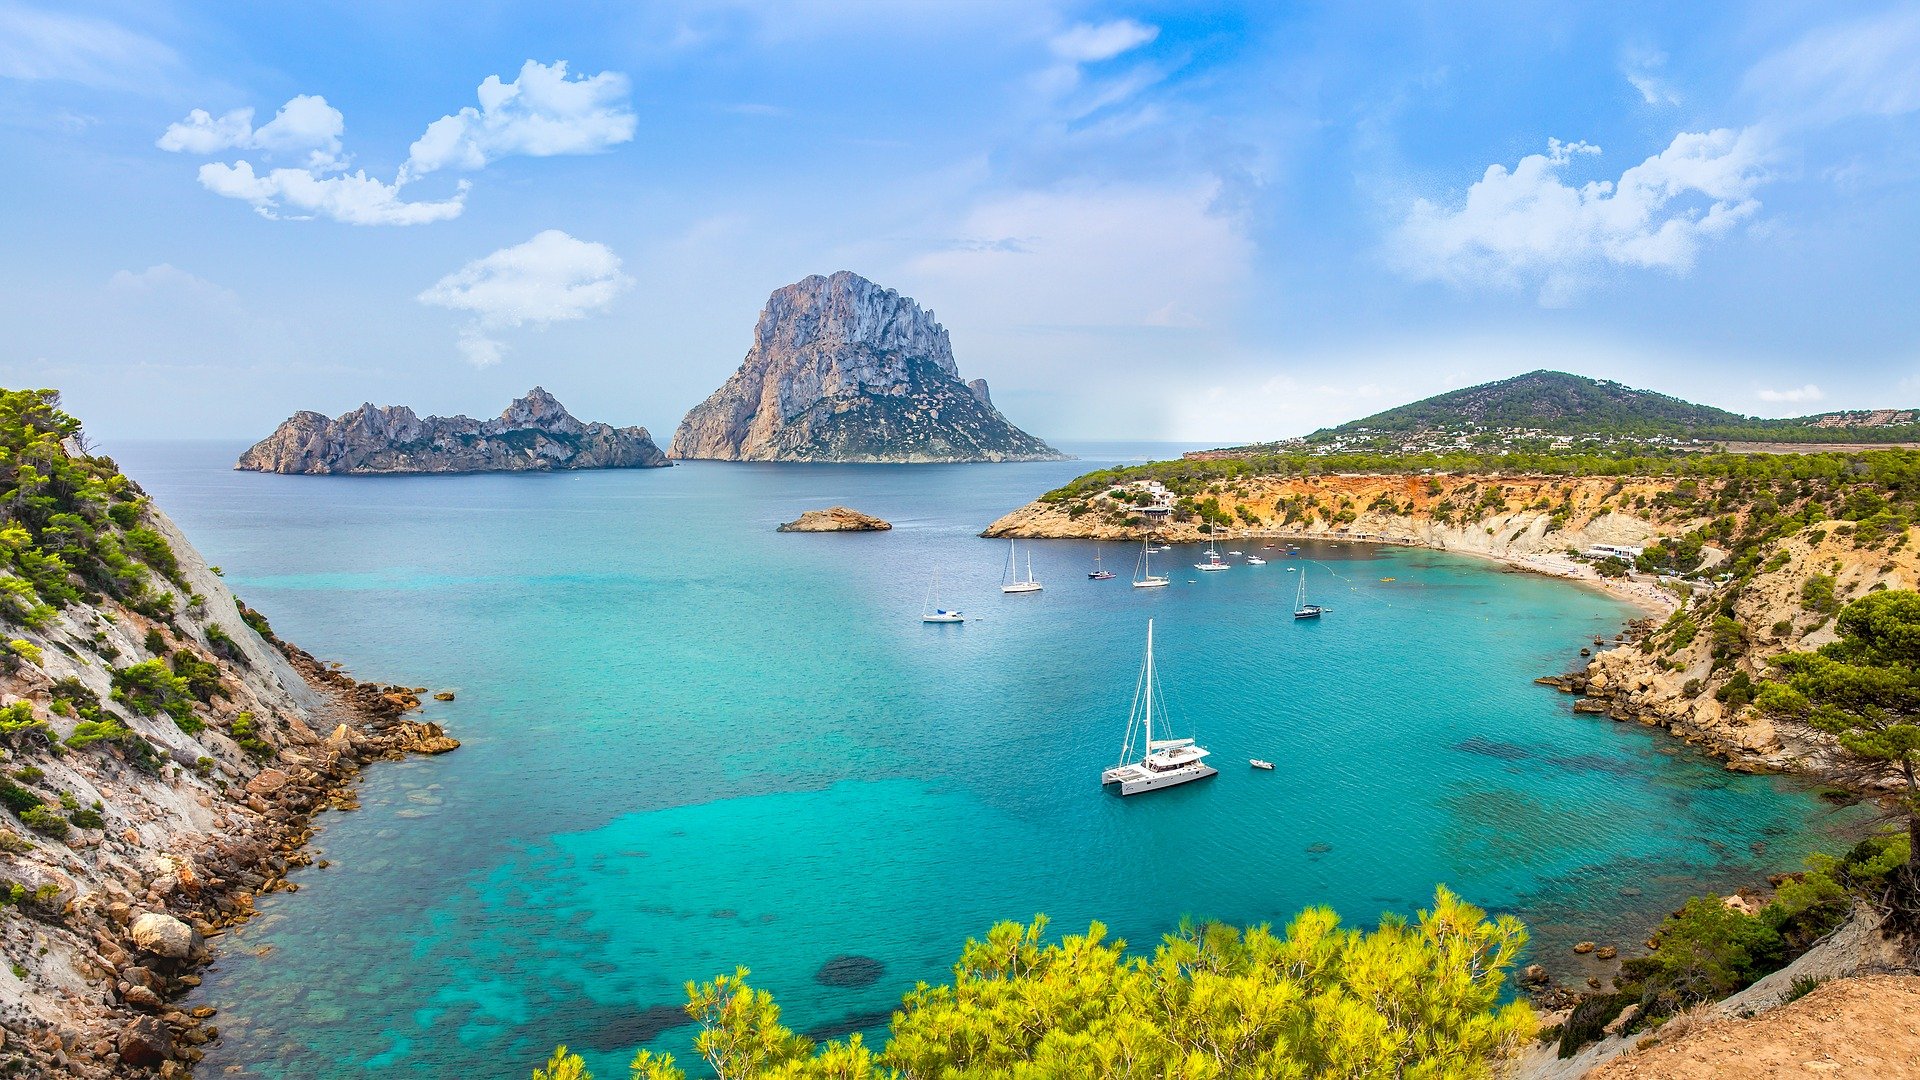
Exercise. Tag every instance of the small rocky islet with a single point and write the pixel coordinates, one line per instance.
(835, 519)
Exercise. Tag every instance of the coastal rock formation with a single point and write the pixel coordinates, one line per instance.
(844, 370)
(145, 810)
(534, 434)
(835, 519)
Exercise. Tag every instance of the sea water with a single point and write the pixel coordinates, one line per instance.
(692, 743)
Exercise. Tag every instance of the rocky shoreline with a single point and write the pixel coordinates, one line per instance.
(150, 941)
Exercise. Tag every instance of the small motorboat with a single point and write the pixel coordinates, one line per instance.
(1260, 764)
(1255, 560)
(1233, 553)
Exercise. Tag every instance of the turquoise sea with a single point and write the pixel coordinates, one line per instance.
(692, 743)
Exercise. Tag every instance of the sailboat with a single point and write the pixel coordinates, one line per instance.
(1214, 561)
(1143, 570)
(1162, 762)
(931, 614)
(1302, 609)
(1010, 578)
(1098, 573)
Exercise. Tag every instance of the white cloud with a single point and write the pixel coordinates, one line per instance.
(351, 198)
(1641, 67)
(550, 278)
(1529, 226)
(306, 124)
(1088, 43)
(542, 113)
(1808, 392)
(1866, 67)
(40, 45)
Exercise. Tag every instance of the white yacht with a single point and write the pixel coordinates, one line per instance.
(931, 614)
(1255, 560)
(1162, 762)
(1010, 578)
(1214, 561)
(1143, 577)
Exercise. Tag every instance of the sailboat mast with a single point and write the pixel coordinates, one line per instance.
(1149, 687)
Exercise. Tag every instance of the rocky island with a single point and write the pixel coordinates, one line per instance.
(535, 434)
(835, 519)
(842, 369)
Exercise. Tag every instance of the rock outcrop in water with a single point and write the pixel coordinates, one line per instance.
(844, 370)
(836, 519)
(534, 434)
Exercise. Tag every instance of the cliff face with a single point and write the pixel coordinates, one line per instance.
(163, 754)
(535, 433)
(844, 370)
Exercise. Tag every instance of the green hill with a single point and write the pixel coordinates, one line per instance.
(1558, 403)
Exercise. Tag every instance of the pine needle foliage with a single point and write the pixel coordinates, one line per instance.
(1413, 999)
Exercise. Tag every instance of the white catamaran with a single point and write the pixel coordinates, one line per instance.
(1143, 570)
(1162, 762)
(1010, 578)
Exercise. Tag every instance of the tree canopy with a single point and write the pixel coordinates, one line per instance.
(1412, 999)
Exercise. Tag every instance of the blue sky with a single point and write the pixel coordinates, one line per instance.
(1138, 221)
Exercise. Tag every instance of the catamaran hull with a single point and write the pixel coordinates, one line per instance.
(1134, 785)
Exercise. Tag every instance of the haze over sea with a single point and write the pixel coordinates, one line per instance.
(692, 743)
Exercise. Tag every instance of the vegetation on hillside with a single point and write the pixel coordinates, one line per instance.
(1557, 403)
(1708, 950)
(1864, 689)
(1415, 999)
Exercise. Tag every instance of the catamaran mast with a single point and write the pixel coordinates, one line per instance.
(1149, 687)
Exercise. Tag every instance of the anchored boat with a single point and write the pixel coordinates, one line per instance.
(1302, 609)
(1214, 561)
(1010, 577)
(1143, 570)
(1162, 762)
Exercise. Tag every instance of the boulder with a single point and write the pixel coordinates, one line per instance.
(144, 1043)
(163, 935)
(267, 782)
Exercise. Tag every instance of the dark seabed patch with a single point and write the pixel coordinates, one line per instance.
(850, 972)
(1493, 748)
(611, 1028)
(850, 1023)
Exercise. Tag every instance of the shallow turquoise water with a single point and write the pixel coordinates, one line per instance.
(693, 743)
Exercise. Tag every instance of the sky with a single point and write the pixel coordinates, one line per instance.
(1195, 222)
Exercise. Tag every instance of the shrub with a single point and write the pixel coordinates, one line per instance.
(149, 688)
(1707, 951)
(87, 818)
(156, 642)
(202, 678)
(17, 721)
(25, 650)
(45, 819)
(1818, 595)
(16, 798)
(1738, 691)
(247, 734)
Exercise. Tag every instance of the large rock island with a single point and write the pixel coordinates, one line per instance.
(844, 370)
(534, 434)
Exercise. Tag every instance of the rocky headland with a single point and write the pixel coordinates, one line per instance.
(165, 753)
(535, 434)
(835, 519)
(842, 369)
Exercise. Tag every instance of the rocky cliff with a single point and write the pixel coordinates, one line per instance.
(535, 433)
(164, 754)
(844, 370)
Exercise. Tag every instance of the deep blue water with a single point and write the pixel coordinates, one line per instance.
(692, 743)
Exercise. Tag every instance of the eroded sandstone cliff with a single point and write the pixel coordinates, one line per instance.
(535, 434)
(844, 370)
